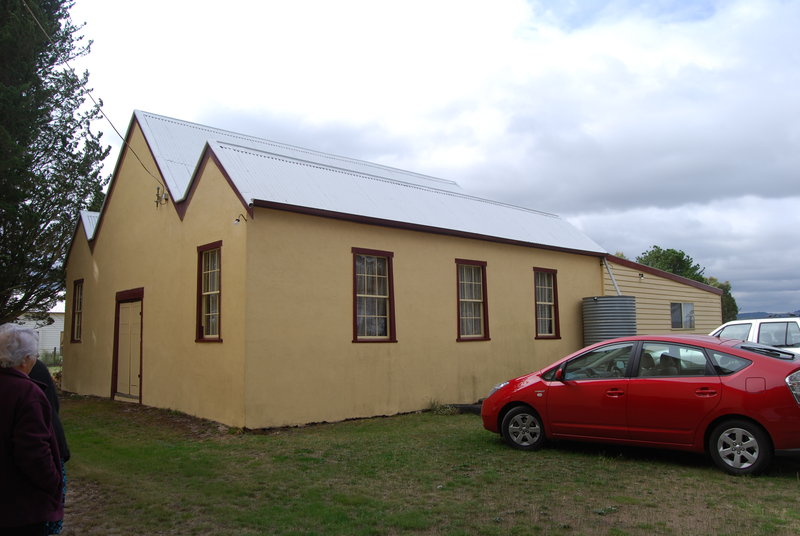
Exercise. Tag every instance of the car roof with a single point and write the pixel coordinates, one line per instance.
(695, 338)
(760, 321)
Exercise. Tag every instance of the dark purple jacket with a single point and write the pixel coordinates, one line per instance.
(30, 464)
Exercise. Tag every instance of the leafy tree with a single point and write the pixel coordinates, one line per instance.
(673, 261)
(679, 263)
(730, 310)
(50, 160)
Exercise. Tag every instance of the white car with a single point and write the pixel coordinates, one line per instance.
(779, 332)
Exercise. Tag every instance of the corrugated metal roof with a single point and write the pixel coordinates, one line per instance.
(178, 146)
(276, 173)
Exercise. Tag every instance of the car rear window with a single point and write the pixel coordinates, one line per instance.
(725, 364)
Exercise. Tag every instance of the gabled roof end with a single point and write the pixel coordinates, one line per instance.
(89, 220)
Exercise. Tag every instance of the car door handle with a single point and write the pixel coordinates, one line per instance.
(615, 393)
(705, 392)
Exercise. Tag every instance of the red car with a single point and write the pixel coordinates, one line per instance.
(739, 401)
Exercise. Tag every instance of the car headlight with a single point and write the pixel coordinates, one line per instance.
(793, 382)
(503, 384)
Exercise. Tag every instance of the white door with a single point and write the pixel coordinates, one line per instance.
(129, 337)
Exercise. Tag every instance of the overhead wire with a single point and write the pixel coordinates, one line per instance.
(97, 104)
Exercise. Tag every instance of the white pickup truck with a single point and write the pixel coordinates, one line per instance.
(778, 332)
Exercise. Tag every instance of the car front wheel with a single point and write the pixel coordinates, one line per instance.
(522, 429)
(740, 447)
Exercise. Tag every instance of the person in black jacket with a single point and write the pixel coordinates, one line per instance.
(41, 374)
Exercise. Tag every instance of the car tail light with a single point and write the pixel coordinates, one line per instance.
(793, 381)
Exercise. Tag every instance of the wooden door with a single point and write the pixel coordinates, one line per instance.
(129, 348)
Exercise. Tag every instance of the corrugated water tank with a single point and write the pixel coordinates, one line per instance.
(607, 317)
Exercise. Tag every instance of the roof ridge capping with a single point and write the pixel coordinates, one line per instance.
(304, 150)
(285, 158)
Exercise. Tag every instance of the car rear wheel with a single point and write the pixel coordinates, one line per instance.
(522, 429)
(740, 447)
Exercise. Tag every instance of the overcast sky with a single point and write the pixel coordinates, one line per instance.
(670, 123)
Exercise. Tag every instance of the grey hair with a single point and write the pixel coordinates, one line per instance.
(17, 342)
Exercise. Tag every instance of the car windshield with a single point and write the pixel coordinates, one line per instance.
(768, 351)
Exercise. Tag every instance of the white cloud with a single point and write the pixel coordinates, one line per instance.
(604, 111)
(748, 241)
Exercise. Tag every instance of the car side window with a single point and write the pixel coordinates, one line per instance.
(773, 333)
(779, 334)
(604, 362)
(661, 359)
(727, 364)
(793, 336)
(735, 331)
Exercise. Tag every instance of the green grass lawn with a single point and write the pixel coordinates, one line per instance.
(137, 470)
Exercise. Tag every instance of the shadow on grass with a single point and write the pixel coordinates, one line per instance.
(781, 466)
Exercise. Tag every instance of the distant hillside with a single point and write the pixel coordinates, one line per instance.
(745, 316)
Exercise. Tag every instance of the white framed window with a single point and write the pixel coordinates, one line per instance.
(473, 321)
(373, 303)
(546, 296)
(209, 292)
(682, 315)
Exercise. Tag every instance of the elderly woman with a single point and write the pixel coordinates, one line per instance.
(30, 462)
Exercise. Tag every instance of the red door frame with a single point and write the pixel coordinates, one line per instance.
(125, 296)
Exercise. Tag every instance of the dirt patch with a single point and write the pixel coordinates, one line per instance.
(84, 503)
(175, 421)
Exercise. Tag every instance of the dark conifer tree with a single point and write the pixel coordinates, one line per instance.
(50, 159)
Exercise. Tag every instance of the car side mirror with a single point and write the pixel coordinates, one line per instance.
(559, 375)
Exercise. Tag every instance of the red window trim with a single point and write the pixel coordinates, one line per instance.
(556, 321)
(199, 318)
(390, 268)
(485, 336)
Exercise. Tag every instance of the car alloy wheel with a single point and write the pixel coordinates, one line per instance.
(522, 429)
(740, 447)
